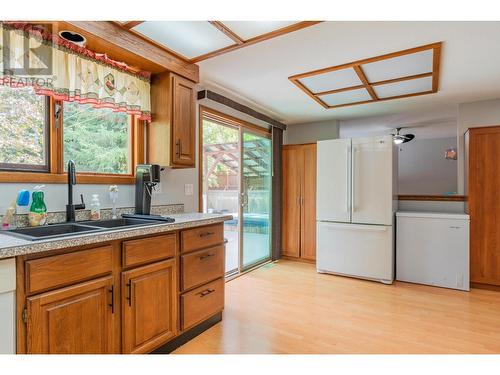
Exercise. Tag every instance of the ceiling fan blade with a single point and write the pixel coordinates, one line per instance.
(408, 137)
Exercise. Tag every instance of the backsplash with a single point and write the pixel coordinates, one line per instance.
(106, 213)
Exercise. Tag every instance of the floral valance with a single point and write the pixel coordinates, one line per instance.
(31, 56)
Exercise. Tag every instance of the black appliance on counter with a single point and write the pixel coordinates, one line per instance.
(147, 176)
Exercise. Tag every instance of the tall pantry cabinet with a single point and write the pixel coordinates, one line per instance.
(299, 202)
(482, 172)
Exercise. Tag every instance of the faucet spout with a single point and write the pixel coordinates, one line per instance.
(70, 207)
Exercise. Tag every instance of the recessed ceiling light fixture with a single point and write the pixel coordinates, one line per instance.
(73, 37)
(396, 75)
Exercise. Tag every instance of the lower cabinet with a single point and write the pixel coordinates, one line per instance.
(76, 319)
(129, 296)
(149, 305)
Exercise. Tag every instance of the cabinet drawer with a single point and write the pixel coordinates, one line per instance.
(146, 250)
(202, 266)
(199, 238)
(67, 269)
(202, 303)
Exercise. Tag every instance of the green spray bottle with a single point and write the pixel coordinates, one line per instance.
(38, 210)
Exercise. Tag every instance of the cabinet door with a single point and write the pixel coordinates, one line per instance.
(183, 122)
(149, 306)
(308, 201)
(293, 160)
(73, 320)
(484, 205)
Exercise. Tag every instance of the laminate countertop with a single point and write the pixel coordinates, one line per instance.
(11, 246)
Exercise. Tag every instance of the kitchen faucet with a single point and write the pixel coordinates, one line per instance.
(70, 207)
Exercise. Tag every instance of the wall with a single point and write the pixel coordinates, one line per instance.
(311, 132)
(422, 168)
(172, 191)
(472, 115)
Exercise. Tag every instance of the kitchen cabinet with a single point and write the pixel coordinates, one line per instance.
(299, 202)
(171, 135)
(75, 319)
(122, 296)
(149, 303)
(482, 163)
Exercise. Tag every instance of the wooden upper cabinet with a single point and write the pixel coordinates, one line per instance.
(73, 320)
(171, 136)
(183, 122)
(149, 306)
(483, 172)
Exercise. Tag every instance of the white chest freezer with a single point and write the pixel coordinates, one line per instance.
(433, 249)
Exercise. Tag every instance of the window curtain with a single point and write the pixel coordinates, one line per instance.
(277, 144)
(32, 56)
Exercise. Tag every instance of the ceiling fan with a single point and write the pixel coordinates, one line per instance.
(401, 138)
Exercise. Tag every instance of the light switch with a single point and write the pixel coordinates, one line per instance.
(188, 189)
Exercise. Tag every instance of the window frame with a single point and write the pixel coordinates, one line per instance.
(55, 155)
(34, 168)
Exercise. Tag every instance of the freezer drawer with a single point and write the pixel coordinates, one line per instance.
(364, 251)
(433, 251)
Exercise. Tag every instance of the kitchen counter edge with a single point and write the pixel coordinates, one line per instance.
(11, 246)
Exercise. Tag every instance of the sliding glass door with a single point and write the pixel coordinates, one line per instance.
(235, 179)
(256, 199)
(220, 182)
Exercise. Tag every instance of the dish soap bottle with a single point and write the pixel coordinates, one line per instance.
(38, 210)
(95, 208)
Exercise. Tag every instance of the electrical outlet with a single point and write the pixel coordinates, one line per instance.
(188, 189)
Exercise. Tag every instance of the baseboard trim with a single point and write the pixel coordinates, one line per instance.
(287, 257)
(495, 288)
(188, 335)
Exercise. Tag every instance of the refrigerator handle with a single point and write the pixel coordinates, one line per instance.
(353, 183)
(347, 180)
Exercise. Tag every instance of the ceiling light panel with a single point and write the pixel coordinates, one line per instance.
(346, 97)
(332, 80)
(188, 38)
(402, 66)
(251, 29)
(404, 87)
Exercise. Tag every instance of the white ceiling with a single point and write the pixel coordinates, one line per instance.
(470, 66)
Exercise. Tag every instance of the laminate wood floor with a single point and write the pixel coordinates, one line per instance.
(286, 307)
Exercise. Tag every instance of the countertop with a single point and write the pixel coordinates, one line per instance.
(11, 246)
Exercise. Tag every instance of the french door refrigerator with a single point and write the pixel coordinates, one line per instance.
(355, 207)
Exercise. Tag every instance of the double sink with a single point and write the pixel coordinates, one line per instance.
(69, 229)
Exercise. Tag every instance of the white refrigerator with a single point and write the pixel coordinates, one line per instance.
(356, 201)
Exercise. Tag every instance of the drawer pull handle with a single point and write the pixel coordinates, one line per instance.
(205, 234)
(206, 292)
(112, 304)
(129, 293)
(206, 256)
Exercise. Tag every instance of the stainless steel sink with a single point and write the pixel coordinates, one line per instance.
(121, 222)
(52, 231)
(69, 229)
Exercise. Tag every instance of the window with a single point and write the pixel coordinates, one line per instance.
(24, 130)
(36, 143)
(97, 139)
